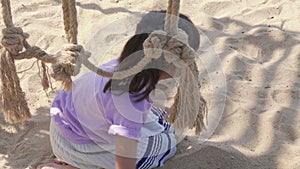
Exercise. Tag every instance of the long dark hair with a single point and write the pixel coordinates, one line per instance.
(145, 80)
(141, 84)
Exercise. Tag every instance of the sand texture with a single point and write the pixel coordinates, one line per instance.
(254, 58)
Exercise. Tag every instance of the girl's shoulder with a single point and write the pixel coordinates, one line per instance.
(110, 65)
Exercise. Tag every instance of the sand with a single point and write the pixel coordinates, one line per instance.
(250, 62)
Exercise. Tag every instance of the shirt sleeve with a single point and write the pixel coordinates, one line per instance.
(129, 116)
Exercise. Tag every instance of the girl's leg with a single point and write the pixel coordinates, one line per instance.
(55, 166)
(157, 149)
(91, 156)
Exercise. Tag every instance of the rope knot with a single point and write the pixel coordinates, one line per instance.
(69, 64)
(175, 48)
(13, 39)
(154, 44)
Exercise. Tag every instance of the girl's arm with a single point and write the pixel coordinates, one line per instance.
(126, 150)
(169, 111)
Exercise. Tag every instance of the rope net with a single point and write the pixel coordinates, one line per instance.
(189, 107)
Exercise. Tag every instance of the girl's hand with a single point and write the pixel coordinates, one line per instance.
(126, 150)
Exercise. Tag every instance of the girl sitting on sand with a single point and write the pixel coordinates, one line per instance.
(104, 123)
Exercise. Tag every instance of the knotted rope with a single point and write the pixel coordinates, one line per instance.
(189, 108)
(172, 43)
(188, 105)
(69, 62)
(73, 56)
(13, 100)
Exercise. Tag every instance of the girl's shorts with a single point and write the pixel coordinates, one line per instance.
(153, 151)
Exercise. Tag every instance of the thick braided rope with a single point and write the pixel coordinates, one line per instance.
(191, 100)
(171, 24)
(66, 66)
(15, 40)
(189, 107)
(6, 13)
(13, 100)
(189, 85)
(70, 20)
(66, 16)
(171, 27)
(62, 70)
(70, 26)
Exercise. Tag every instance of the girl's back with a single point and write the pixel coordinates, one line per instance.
(88, 114)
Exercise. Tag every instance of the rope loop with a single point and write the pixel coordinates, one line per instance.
(69, 63)
(174, 48)
(13, 39)
(154, 44)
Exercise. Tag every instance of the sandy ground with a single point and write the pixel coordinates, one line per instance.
(256, 43)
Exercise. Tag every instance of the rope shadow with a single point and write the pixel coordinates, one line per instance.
(243, 75)
(262, 91)
(21, 143)
(93, 6)
(211, 157)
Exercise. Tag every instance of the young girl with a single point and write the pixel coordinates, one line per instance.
(104, 123)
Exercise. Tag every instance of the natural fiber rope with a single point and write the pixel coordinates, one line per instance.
(14, 40)
(185, 101)
(64, 70)
(172, 17)
(171, 27)
(189, 105)
(65, 67)
(13, 101)
(70, 24)
(6, 12)
(70, 20)
(68, 64)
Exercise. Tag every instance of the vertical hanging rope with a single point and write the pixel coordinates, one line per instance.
(6, 12)
(13, 99)
(70, 20)
(171, 27)
(188, 93)
(65, 68)
(172, 17)
(70, 66)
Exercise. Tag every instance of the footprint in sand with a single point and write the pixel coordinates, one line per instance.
(287, 97)
(34, 83)
(260, 45)
(217, 8)
(113, 38)
(262, 12)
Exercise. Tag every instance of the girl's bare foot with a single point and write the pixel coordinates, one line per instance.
(58, 161)
(55, 165)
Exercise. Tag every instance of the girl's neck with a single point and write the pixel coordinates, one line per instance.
(164, 75)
